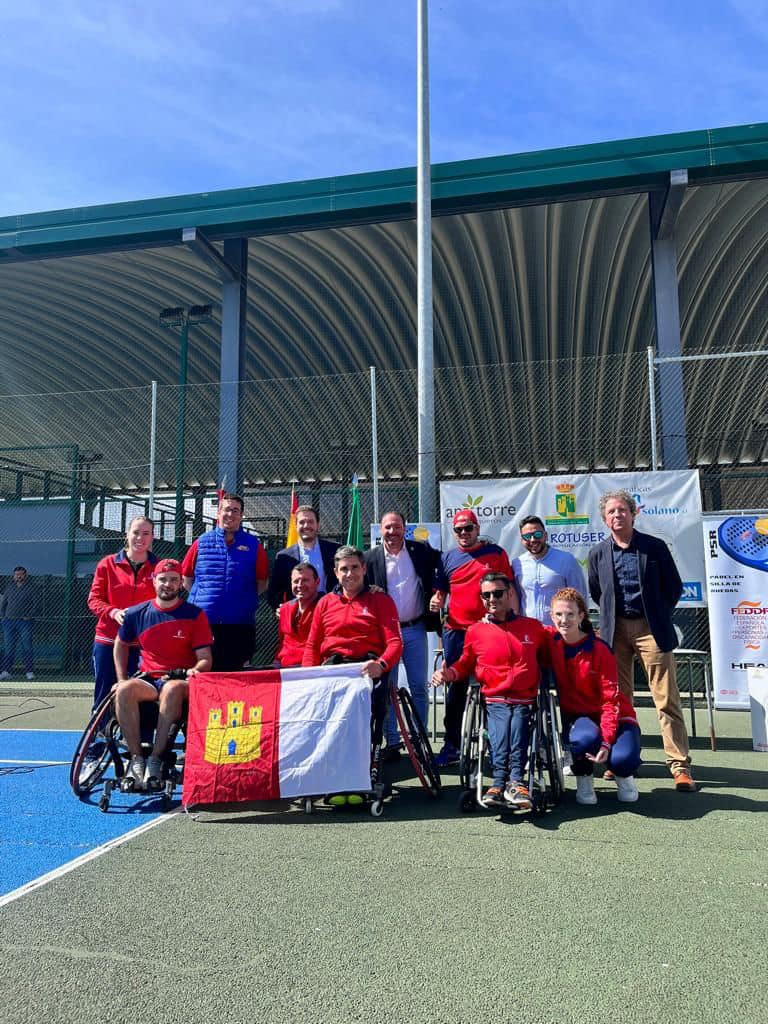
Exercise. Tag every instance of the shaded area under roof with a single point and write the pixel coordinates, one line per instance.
(540, 260)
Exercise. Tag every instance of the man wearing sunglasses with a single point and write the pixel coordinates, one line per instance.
(543, 570)
(503, 653)
(458, 578)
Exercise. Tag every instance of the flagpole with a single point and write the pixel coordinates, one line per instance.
(425, 346)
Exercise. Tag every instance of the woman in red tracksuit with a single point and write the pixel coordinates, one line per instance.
(599, 722)
(120, 581)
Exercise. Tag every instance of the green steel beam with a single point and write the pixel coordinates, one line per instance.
(633, 165)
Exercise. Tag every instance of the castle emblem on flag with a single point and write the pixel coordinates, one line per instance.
(233, 741)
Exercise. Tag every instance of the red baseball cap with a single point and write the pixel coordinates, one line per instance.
(167, 565)
(465, 515)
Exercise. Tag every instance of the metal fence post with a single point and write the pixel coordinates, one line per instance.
(652, 407)
(374, 446)
(152, 451)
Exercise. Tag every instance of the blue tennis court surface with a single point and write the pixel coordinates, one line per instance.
(42, 824)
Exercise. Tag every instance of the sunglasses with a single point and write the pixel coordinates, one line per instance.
(464, 529)
(536, 535)
(486, 595)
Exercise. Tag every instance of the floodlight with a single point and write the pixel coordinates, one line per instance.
(172, 316)
(197, 314)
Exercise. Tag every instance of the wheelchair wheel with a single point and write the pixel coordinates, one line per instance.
(537, 783)
(471, 733)
(545, 763)
(554, 749)
(468, 801)
(416, 741)
(475, 762)
(96, 749)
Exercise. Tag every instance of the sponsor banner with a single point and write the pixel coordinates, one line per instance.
(736, 560)
(276, 734)
(669, 503)
(428, 533)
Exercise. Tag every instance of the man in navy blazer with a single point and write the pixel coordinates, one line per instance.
(635, 582)
(405, 569)
(310, 548)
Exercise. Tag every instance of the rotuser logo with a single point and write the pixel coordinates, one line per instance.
(483, 511)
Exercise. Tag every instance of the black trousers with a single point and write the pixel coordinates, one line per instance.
(233, 646)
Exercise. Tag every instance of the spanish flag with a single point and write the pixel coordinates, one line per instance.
(292, 536)
(277, 734)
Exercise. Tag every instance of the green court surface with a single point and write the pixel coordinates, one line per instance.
(635, 913)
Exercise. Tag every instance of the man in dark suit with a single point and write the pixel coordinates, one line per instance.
(405, 569)
(635, 582)
(310, 548)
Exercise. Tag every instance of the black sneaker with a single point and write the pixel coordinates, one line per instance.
(391, 754)
(448, 755)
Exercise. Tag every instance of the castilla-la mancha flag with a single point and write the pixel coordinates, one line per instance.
(277, 733)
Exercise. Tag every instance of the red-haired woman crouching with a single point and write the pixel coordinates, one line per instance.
(599, 722)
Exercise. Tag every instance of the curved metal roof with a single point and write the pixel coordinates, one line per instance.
(539, 258)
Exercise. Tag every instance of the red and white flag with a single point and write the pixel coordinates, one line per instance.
(277, 733)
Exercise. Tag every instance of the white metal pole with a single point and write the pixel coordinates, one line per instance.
(152, 450)
(374, 446)
(425, 355)
(652, 407)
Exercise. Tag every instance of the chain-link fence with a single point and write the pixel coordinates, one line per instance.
(75, 467)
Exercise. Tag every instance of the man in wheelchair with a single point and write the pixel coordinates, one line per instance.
(503, 651)
(352, 624)
(175, 642)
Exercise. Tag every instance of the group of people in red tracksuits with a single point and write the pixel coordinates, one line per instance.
(484, 633)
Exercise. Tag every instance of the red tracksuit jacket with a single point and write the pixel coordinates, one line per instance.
(587, 682)
(367, 623)
(294, 632)
(505, 658)
(114, 585)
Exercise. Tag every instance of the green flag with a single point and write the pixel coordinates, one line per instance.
(355, 531)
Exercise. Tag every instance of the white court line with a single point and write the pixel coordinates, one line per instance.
(50, 764)
(51, 876)
(76, 732)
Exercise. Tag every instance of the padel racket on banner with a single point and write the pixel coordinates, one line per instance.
(745, 539)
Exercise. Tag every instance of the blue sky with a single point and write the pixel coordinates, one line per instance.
(130, 100)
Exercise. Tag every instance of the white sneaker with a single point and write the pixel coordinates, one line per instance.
(153, 773)
(135, 771)
(30, 675)
(626, 789)
(5, 675)
(585, 790)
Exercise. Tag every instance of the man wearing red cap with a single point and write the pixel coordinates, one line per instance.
(458, 577)
(174, 637)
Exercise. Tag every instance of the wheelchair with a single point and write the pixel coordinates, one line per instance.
(415, 739)
(544, 769)
(101, 757)
(414, 736)
(546, 783)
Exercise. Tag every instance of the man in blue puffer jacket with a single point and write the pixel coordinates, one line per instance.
(225, 570)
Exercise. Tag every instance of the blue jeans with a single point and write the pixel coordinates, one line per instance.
(509, 729)
(17, 631)
(414, 661)
(583, 736)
